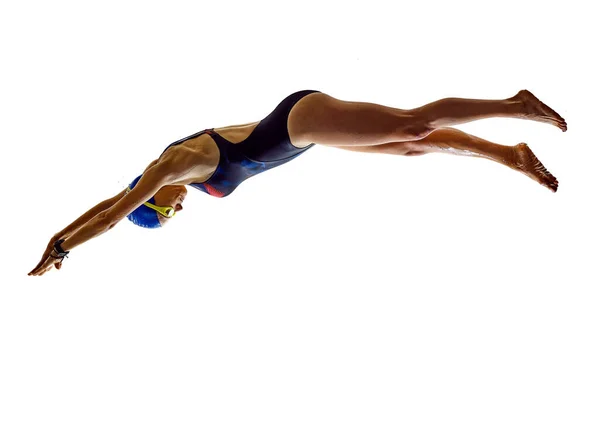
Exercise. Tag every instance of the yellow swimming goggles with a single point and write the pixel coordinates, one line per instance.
(167, 212)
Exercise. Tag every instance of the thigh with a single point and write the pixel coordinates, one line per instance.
(404, 148)
(323, 119)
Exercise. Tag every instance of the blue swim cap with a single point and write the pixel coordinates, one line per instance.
(144, 216)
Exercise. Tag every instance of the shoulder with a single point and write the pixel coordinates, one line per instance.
(166, 171)
(190, 161)
(152, 180)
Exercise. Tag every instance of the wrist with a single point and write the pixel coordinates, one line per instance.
(59, 248)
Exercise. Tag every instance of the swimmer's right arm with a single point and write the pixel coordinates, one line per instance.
(93, 212)
(81, 221)
(88, 215)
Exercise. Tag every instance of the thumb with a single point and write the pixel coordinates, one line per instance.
(58, 265)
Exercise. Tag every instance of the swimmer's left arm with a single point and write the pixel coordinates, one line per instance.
(98, 208)
(151, 181)
(81, 220)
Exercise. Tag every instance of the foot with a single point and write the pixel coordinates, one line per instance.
(535, 109)
(527, 163)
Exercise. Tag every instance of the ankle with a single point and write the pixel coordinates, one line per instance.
(514, 106)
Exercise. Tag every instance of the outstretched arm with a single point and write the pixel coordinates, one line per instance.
(78, 223)
(151, 181)
(149, 184)
(94, 211)
(81, 220)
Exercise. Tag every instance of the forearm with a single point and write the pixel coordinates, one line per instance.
(92, 228)
(84, 218)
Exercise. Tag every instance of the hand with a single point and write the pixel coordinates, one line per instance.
(46, 255)
(47, 265)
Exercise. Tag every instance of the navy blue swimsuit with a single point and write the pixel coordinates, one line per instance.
(268, 146)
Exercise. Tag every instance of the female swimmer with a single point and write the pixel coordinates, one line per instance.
(217, 160)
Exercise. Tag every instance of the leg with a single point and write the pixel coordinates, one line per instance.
(452, 111)
(454, 141)
(320, 118)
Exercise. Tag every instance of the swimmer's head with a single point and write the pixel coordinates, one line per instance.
(167, 196)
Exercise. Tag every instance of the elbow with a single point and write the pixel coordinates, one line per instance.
(110, 224)
(106, 222)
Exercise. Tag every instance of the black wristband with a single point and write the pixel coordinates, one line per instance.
(59, 250)
(61, 258)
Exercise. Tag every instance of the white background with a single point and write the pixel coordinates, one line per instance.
(343, 291)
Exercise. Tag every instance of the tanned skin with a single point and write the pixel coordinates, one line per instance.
(322, 119)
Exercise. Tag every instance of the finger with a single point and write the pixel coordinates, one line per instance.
(41, 268)
(58, 265)
(42, 264)
(44, 258)
(46, 253)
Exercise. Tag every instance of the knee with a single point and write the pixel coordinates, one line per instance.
(414, 153)
(415, 126)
